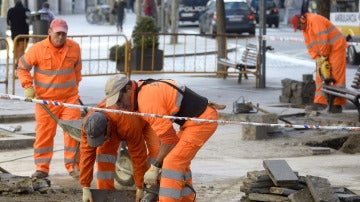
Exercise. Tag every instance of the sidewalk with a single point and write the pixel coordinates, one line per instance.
(225, 155)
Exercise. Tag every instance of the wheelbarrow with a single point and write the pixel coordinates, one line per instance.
(123, 169)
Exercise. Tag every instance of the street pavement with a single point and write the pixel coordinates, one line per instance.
(222, 91)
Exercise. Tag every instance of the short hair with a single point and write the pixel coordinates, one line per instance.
(46, 5)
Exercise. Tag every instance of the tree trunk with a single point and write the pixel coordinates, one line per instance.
(221, 39)
(323, 8)
(174, 21)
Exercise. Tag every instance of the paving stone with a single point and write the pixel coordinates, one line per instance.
(320, 189)
(280, 172)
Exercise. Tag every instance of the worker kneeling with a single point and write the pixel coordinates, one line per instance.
(100, 140)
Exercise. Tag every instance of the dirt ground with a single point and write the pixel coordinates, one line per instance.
(223, 162)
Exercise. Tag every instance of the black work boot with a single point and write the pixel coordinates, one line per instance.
(336, 109)
(39, 175)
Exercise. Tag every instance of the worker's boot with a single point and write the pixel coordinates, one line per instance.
(39, 174)
(335, 109)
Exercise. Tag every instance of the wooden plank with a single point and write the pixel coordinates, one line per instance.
(280, 172)
(320, 189)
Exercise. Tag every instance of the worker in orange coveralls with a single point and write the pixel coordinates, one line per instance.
(56, 62)
(327, 45)
(101, 135)
(167, 97)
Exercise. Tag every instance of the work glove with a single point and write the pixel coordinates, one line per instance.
(151, 176)
(29, 92)
(139, 194)
(87, 197)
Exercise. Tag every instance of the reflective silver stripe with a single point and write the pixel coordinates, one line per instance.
(330, 42)
(105, 175)
(325, 31)
(186, 191)
(188, 175)
(320, 93)
(66, 160)
(53, 85)
(70, 149)
(54, 72)
(44, 150)
(42, 160)
(318, 85)
(172, 174)
(105, 158)
(171, 193)
(22, 58)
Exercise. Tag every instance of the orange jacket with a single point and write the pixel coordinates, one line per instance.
(123, 127)
(57, 72)
(160, 98)
(322, 37)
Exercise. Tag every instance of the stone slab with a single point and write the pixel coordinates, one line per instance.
(280, 172)
(320, 189)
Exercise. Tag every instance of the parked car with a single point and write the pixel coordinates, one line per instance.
(272, 12)
(239, 17)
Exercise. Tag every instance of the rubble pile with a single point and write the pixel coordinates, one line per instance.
(13, 184)
(279, 183)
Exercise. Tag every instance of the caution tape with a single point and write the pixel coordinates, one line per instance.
(55, 103)
(294, 39)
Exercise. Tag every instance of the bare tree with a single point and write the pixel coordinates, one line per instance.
(323, 8)
(174, 21)
(220, 30)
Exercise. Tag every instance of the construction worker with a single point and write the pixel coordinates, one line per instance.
(167, 97)
(327, 45)
(101, 135)
(56, 76)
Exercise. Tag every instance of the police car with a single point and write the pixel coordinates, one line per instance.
(189, 10)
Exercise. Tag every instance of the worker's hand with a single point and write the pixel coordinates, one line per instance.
(86, 197)
(151, 176)
(139, 194)
(29, 92)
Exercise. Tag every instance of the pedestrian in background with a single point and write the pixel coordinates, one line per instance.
(119, 11)
(177, 149)
(18, 20)
(45, 13)
(326, 44)
(100, 140)
(56, 76)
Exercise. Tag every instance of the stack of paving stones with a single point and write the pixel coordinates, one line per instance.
(280, 184)
(297, 92)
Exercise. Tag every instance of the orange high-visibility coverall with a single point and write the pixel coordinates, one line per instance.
(160, 98)
(56, 77)
(141, 141)
(322, 38)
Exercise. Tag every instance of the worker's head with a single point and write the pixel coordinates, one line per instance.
(58, 32)
(46, 5)
(118, 91)
(298, 22)
(96, 128)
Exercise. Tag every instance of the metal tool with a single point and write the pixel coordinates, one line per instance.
(264, 111)
(242, 106)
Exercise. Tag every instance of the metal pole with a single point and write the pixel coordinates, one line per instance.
(262, 44)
